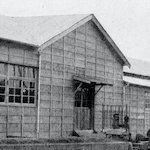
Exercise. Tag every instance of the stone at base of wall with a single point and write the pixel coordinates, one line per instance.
(71, 146)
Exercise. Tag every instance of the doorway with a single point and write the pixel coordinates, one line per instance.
(83, 107)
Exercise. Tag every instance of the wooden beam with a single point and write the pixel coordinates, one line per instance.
(103, 84)
(92, 89)
(78, 87)
(81, 79)
(98, 89)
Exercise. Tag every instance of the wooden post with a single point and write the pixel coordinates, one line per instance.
(74, 119)
(22, 107)
(22, 120)
(7, 97)
(111, 114)
(137, 111)
(86, 50)
(92, 88)
(22, 110)
(81, 110)
(38, 104)
(103, 116)
(7, 102)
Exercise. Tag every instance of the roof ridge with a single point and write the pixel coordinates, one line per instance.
(44, 15)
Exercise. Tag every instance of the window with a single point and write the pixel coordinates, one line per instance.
(3, 76)
(2, 89)
(28, 92)
(21, 84)
(82, 98)
(22, 90)
(14, 91)
(147, 99)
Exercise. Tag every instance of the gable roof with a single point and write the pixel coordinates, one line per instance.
(44, 30)
(138, 67)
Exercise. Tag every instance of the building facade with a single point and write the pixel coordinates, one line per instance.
(64, 73)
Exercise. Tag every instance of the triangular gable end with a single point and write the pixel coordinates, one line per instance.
(118, 51)
(78, 24)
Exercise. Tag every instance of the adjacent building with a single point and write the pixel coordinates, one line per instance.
(137, 89)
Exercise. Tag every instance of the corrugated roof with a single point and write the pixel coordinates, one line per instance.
(137, 81)
(139, 67)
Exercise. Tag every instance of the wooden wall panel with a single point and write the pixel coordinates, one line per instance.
(135, 99)
(15, 120)
(17, 53)
(82, 52)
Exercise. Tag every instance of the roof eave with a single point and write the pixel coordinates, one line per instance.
(19, 42)
(100, 27)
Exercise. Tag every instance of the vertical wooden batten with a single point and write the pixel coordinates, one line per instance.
(7, 97)
(75, 47)
(50, 109)
(62, 112)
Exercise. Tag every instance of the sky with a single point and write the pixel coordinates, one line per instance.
(126, 21)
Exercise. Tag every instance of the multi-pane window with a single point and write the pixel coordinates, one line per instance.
(20, 82)
(82, 98)
(3, 76)
(28, 92)
(2, 89)
(14, 91)
(147, 99)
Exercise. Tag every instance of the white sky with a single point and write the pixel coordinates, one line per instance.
(126, 21)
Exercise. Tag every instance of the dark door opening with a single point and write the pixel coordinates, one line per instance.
(83, 111)
(84, 90)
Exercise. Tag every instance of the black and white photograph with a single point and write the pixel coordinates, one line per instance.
(75, 74)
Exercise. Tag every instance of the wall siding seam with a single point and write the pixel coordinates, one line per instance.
(104, 75)
(113, 77)
(95, 56)
(62, 115)
(85, 49)
(7, 91)
(22, 111)
(75, 49)
(50, 109)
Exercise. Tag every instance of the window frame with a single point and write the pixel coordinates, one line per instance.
(147, 99)
(22, 78)
(82, 98)
(5, 93)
